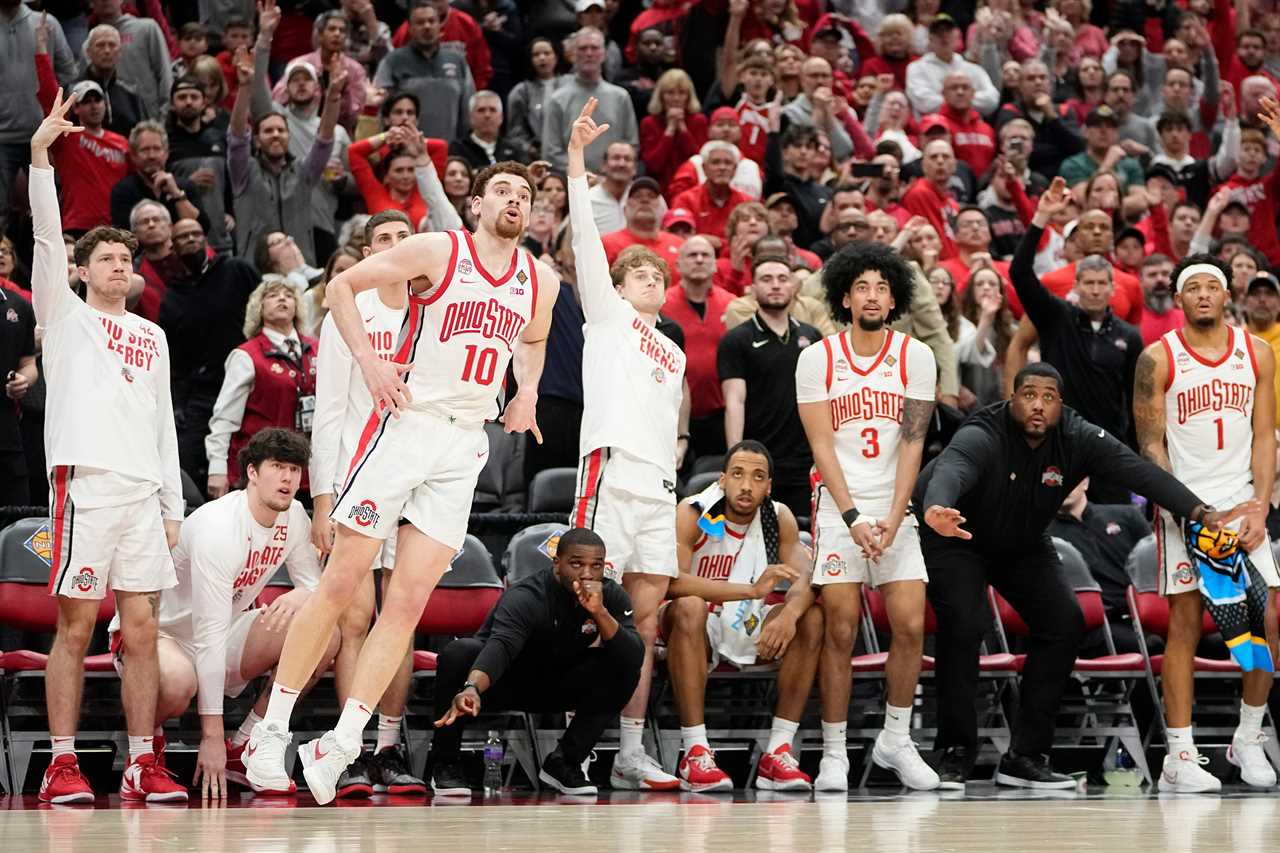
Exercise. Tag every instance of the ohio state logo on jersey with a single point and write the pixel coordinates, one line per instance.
(85, 581)
(488, 318)
(715, 567)
(1214, 396)
(365, 513)
(866, 404)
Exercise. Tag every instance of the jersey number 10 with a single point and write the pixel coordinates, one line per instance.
(483, 361)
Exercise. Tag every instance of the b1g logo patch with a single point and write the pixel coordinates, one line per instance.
(1183, 576)
(834, 566)
(40, 543)
(1051, 477)
(85, 581)
(365, 514)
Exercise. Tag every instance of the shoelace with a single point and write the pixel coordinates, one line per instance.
(65, 771)
(590, 759)
(786, 759)
(152, 769)
(704, 760)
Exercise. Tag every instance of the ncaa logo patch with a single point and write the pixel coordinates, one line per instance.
(521, 277)
(85, 581)
(40, 543)
(834, 566)
(549, 545)
(365, 514)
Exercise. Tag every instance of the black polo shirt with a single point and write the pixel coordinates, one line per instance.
(17, 340)
(752, 352)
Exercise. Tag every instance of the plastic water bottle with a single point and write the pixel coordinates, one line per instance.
(1122, 772)
(493, 753)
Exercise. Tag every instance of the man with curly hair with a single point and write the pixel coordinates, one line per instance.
(866, 397)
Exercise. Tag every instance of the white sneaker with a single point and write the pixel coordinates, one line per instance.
(905, 761)
(1249, 756)
(1184, 773)
(833, 774)
(638, 771)
(263, 758)
(323, 761)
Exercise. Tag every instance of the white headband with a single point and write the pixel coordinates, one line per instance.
(1196, 269)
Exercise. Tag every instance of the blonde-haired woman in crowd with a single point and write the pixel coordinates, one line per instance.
(675, 128)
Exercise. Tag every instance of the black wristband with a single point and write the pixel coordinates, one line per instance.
(850, 516)
(472, 685)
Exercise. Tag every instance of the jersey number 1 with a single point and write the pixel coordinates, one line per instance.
(485, 365)
(1218, 423)
(872, 437)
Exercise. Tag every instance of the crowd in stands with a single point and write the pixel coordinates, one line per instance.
(245, 146)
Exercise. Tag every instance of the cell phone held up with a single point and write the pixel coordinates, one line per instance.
(867, 170)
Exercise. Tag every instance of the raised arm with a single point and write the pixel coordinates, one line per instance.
(1018, 353)
(260, 101)
(729, 51)
(595, 287)
(1040, 305)
(318, 157)
(50, 296)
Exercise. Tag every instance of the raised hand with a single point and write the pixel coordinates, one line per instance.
(1053, 200)
(585, 130)
(268, 17)
(42, 34)
(243, 61)
(55, 124)
(1218, 202)
(738, 8)
(337, 77)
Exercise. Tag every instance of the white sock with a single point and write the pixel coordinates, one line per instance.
(63, 745)
(781, 734)
(1179, 739)
(139, 745)
(631, 734)
(897, 723)
(350, 727)
(1250, 722)
(833, 740)
(280, 707)
(388, 732)
(241, 737)
(691, 736)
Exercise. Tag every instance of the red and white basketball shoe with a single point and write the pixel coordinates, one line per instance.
(780, 771)
(145, 781)
(236, 772)
(699, 773)
(64, 784)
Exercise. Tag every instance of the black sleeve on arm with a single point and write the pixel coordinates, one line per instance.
(1107, 458)
(122, 203)
(193, 196)
(1042, 307)
(513, 618)
(959, 467)
(731, 360)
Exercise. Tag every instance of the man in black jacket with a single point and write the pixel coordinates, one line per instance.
(557, 641)
(483, 145)
(1004, 476)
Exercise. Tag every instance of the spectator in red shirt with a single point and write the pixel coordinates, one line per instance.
(97, 157)
(973, 249)
(894, 44)
(1159, 314)
(458, 31)
(643, 215)
(928, 195)
(725, 126)
(973, 140)
(1094, 235)
(747, 223)
(697, 305)
(713, 201)
(1239, 56)
(1257, 193)
(398, 188)
(151, 224)
(675, 127)
(236, 33)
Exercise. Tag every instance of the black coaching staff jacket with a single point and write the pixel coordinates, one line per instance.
(1009, 492)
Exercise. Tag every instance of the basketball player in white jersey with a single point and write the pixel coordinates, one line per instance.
(717, 612)
(1205, 409)
(866, 396)
(342, 408)
(636, 406)
(212, 640)
(476, 301)
(115, 504)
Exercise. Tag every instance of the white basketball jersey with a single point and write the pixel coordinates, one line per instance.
(865, 397)
(1209, 416)
(462, 334)
(713, 559)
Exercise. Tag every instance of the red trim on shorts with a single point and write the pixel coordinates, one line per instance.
(1158, 523)
(902, 359)
(1198, 357)
(533, 279)
(60, 523)
(815, 480)
(475, 259)
(826, 342)
(1253, 359)
(590, 487)
(448, 274)
(884, 350)
(1168, 353)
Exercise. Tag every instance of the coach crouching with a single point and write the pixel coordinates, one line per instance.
(561, 640)
(1005, 475)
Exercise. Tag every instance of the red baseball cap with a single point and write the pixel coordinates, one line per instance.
(678, 215)
(724, 114)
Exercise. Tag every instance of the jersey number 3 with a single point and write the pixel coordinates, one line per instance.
(483, 361)
(872, 437)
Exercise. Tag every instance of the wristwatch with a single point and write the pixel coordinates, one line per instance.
(472, 685)
(850, 516)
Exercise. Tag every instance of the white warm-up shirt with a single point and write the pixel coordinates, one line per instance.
(108, 409)
(632, 374)
(343, 402)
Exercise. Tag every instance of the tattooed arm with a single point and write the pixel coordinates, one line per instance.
(916, 416)
(1149, 380)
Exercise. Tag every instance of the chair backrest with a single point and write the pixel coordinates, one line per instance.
(465, 595)
(553, 490)
(500, 485)
(713, 462)
(530, 551)
(26, 557)
(1074, 569)
(1151, 610)
(879, 613)
(699, 482)
(191, 492)
(1143, 565)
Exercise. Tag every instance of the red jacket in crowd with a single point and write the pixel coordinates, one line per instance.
(972, 139)
(923, 199)
(712, 218)
(663, 152)
(702, 334)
